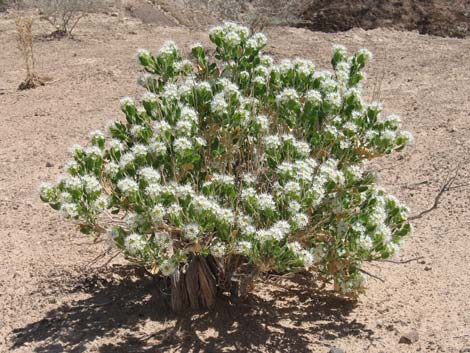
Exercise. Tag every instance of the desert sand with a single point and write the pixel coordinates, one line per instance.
(55, 298)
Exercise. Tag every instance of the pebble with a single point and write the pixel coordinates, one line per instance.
(49, 165)
(336, 350)
(409, 338)
(427, 268)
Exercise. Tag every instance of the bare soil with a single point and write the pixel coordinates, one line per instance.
(55, 296)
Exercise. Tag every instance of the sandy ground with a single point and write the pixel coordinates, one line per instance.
(53, 300)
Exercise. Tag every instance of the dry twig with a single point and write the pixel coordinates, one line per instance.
(446, 187)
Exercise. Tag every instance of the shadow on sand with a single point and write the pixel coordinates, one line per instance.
(120, 313)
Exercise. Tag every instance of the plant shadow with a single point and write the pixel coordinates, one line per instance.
(132, 315)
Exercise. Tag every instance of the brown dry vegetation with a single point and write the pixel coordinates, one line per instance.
(54, 298)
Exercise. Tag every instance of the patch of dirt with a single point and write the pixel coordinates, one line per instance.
(447, 18)
(149, 13)
(55, 298)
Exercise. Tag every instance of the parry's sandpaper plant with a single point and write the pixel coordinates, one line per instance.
(231, 155)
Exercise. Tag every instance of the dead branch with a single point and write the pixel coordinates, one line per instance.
(446, 187)
(404, 261)
(371, 275)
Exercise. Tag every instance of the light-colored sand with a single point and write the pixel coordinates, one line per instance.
(51, 301)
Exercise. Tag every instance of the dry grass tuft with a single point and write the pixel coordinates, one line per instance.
(24, 25)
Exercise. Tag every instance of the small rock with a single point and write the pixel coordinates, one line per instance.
(427, 268)
(114, 14)
(49, 165)
(336, 350)
(422, 262)
(465, 350)
(409, 338)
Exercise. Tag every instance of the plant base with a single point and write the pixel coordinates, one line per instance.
(197, 285)
(31, 82)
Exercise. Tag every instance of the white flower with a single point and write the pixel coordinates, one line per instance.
(243, 247)
(167, 267)
(292, 187)
(184, 127)
(46, 190)
(96, 134)
(200, 141)
(189, 114)
(139, 150)
(168, 48)
(127, 159)
(302, 148)
(218, 104)
(69, 210)
(257, 41)
(265, 202)
(378, 216)
(259, 80)
(272, 141)
(389, 135)
(158, 147)
(341, 49)
(75, 150)
(295, 247)
(143, 53)
(394, 120)
(150, 175)
(355, 171)
(344, 144)
(127, 102)
(248, 193)
(127, 186)
(174, 209)
(266, 60)
(91, 184)
(191, 231)
(71, 166)
(158, 212)
(249, 178)
(294, 207)
(149, 97)
(115, 144)
(217, 250)
(196, 45)
(181, 145)
(300, 220)
(170, 92)
(350, 126)
(232, 39)
(164, 241)
(94, 151)
(333, 99)
(285, 66)
(314, 97)
(307, 258)
(136, 130)
(279, 230)
(100, 204)
(407, 136)
(134, 243)
(154, 191)
(288, 94)
(366, 242)
(73, 183)
(329, 85)
(366, 53)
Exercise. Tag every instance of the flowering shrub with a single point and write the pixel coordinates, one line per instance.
(231, 155)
